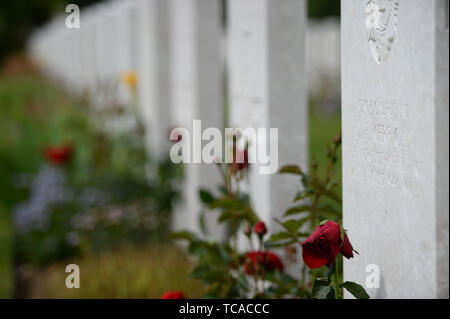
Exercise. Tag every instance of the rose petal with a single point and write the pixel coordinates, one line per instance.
(313, 258)
(333, 235)
(347, 249)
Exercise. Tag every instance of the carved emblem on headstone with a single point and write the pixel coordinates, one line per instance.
(381, 22)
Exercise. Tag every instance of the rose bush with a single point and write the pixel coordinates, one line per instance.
(325, 243)
(84, 190)
(261, 273)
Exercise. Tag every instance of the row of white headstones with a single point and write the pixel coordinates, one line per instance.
(395, 108)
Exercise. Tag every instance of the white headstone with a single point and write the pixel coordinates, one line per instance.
(125, 34)
(154, 73)
(395, 145)
(196, 93)
(88, 50)
(106, 54)
(267, 90)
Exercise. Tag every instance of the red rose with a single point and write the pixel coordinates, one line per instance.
(173, 295)
(273, 261)
(323, 246)
(58, 154)
(248, 230)
(242, 155)
(255, 261)
(260, 228)
(175, 135)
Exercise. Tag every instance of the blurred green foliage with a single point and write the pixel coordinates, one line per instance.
(322, 129)
(19, 17)
(6, 271)
(34, 114)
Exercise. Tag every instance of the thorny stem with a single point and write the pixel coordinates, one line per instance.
(328, 176)
(336, 280)
(234, 226)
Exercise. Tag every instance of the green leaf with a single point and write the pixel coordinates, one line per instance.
(291, 169)
(270, 244)
(205, 273)
(322, 289)
(326, 192)
(305, 181)
(280, 236)
(323, 222)
(184, 235)
(198, 247)
(202, 223)
(300, 234)
(200, 271)
(332, 184)
(332, 195)
(297, 210)
(302, 195)
(292, 225)
(355, 289)
(330, 271)
(226, 216)
(214, 292)
(206, 197)
(328, 209)
(331, 294)
(235, 209)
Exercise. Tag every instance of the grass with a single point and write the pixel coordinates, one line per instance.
(6, 282)
(131, 272)
(322, 129)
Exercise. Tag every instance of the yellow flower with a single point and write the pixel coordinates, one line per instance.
(129, 79)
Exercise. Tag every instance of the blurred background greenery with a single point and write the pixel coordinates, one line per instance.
(19, 17)
(35, 114)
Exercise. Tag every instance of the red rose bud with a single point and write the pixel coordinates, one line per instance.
(260, 228)
(240, 161)
(248, 230)
(59, 155)
(175, 135)
(256, 261)
(323, 246)
(273, 261)
(253, 262)
(173, 295)
(337, 139)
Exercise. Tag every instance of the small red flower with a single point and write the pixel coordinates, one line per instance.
(260, 228)
(256, 261)
(240, 161)
(323, 246)
(59, 155)
(273, 261)
(175, 135)
(253, 261)
(248, 230)
(173, 295)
